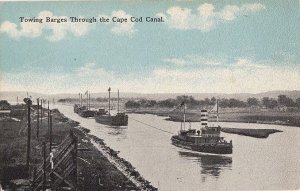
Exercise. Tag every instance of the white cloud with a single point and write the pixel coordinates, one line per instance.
(175, 61)
(179, 17)
(124, 28)
(36, 29)
(244, 75)
(88, 76)
(253, 7)
(91, 70)
(193, 60)
(206, 18)
(242, 62)
(227, 80)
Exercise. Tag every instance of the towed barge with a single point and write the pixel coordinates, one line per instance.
(120, 119)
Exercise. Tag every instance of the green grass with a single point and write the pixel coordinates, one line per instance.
(13, 142)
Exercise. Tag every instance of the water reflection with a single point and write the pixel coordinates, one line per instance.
(119, 131)
(160, 162)
(211, 165)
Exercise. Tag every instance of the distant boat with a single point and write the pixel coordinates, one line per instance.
(207, 139)
(76, 108)
(120, 119)
(84, 111)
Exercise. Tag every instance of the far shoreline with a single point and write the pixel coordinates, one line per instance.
(291, 119)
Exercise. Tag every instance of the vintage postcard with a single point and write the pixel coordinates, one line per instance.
(181, 95)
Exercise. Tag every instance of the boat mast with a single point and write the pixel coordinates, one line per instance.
(109, 100)
(118, 100)
(87, 100)
(217, 112)
(79, 98)
(184, 116)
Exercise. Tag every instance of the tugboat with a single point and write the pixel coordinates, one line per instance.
(120, 119)
(207, 139)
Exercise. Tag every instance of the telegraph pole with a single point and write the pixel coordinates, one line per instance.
(50, 133)
(29, 102)
(38, 118)
(41, 112)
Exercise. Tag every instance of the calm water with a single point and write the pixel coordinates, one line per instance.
(272, 163)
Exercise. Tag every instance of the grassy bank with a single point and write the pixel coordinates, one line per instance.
(95, 170)
(257, 133)
(266, 117)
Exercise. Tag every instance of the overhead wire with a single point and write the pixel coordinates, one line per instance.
(151, 126)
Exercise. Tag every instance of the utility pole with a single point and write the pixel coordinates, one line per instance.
(17, 100)
(29, 102)
(184, 107)
(38, 118)
(217, 112)
(41, 112)
(50, 133)
(48, 119)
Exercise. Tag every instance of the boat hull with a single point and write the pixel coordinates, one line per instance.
(217, 148)
(118, 120)
(86, 113)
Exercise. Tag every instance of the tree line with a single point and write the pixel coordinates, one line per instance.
(76, 100)
(191, 102)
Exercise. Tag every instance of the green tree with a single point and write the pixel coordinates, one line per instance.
(132, 104)
(286, 101)
(269, 103)
(167, 103)
(213, 100)
(4, 105)
(298, 102)
(252, 101)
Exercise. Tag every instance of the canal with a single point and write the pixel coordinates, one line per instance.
(272, 163)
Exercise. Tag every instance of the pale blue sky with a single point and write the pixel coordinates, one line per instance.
(207, 46)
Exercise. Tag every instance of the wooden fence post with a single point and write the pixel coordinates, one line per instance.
(74, 156)
(44, 167)
(34, 178)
